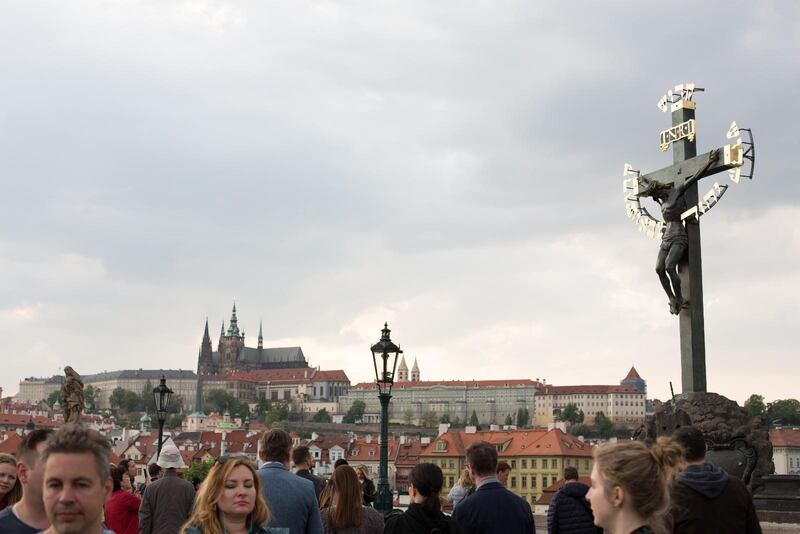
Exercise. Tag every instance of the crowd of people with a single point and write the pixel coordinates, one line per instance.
(61, 482)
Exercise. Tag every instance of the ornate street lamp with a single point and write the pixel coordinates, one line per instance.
(384, 358)
(162, 395)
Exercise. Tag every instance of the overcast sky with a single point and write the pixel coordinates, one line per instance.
(453, 168)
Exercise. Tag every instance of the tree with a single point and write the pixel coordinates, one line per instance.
(429, 419)
(509, 420)
(53, 397)
(322, 416)
(604, 425)
(755, 405)
(148, 400)
(523, 416)
(355, 413)
(473, 419)
(408, 416)
(124, 399)
(786, 412)
(276, 414)
(263, 405)
(220, 401)
(445, 419)
(90, 397)
(571, 414)
(175, 420)
(199, 470)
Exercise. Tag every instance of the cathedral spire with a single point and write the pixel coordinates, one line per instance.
(206, 337)
(233, 328)
(260, 335)
(222, 330)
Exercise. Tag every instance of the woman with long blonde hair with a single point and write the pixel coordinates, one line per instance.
(460, 489)
(10, 487)
(230, 501)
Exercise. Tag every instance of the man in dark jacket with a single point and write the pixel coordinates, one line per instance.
(569, 511)
(492, 509)
(301, 457)
(167, 502)
(705, 499)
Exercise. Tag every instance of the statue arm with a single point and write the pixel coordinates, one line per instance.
(712, 157)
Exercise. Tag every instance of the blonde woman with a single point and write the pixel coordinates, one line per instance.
(629, 493)
(230, 501)
(10, 488)
(460, 490)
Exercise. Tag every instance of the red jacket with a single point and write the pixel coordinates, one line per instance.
(122, 513)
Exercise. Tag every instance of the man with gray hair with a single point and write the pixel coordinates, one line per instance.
(167, 502)
(76, 480)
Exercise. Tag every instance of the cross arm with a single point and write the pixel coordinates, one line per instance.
(678, 173)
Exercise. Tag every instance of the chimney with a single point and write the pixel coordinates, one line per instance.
(368, 438)
(425, 440)
(470, 429)
(403, 439)
(443, 428)
(314, 436)
(222, 444)
(494, 428)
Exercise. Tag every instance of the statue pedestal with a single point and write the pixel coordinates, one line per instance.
(736, 441)
(778, 500)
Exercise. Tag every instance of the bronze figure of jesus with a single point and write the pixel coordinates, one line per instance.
(675, 239)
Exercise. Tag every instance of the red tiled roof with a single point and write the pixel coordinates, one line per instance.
(9, 446)
(457, 383)
(408, 453)
(361, 451)
(532, 442)
(331, 376)
(577, 390)
(22, 420)
(287, 376)
(632, 375)
(785, 437)
(550, 491)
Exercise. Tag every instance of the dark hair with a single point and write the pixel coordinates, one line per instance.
(347, 510)
(117, 472)
(502, 466)
(124, 463)
(428, 481)
(75, 439)
(482, 458)
(276, 445)
(340, 461)
(570, 473)
(299, 454)
(692, 441)
(154, 470)
(26, 450)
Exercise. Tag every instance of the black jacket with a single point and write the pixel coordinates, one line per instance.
(318, 482)
(706, 500)
(569, 511)
(493, 509)
(368, 491)
(416, 521)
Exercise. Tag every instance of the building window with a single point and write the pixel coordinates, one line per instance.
(452, 464)
(450, 481)
(544, 463)
(273, 395)
(533, 463)
(287, 395)
(586, 464)
(513, 464)
(524, 481)
(533, 481)
(554, 463)
(553, 480)
(513, 482)
(524, 463)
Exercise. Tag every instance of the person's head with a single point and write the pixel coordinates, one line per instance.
(119, 475)
(347, 510)
(465, 480)
(276, 445)
(503, 470)
(129, 466)
(570, 474)
(426, 480)
(301, 456)
(482, 459)
(340, 461)
(170, 458)
(231, 490)
(362, 472)
(629, 481)
(693, 443)
(29, 466)
(154, 470)
(76, 478)
(10, 487)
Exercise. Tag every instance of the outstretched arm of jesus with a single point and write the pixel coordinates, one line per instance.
(712, 157)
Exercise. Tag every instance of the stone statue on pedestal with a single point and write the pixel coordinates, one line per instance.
(72, 396)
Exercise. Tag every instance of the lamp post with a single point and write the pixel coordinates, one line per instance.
(384, 358)
(162, 395)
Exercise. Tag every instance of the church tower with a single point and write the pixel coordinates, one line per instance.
(402, 370)
(415, 372)
(205, 364)
(231, 344)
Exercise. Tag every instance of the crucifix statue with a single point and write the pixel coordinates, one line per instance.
(674, 188)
